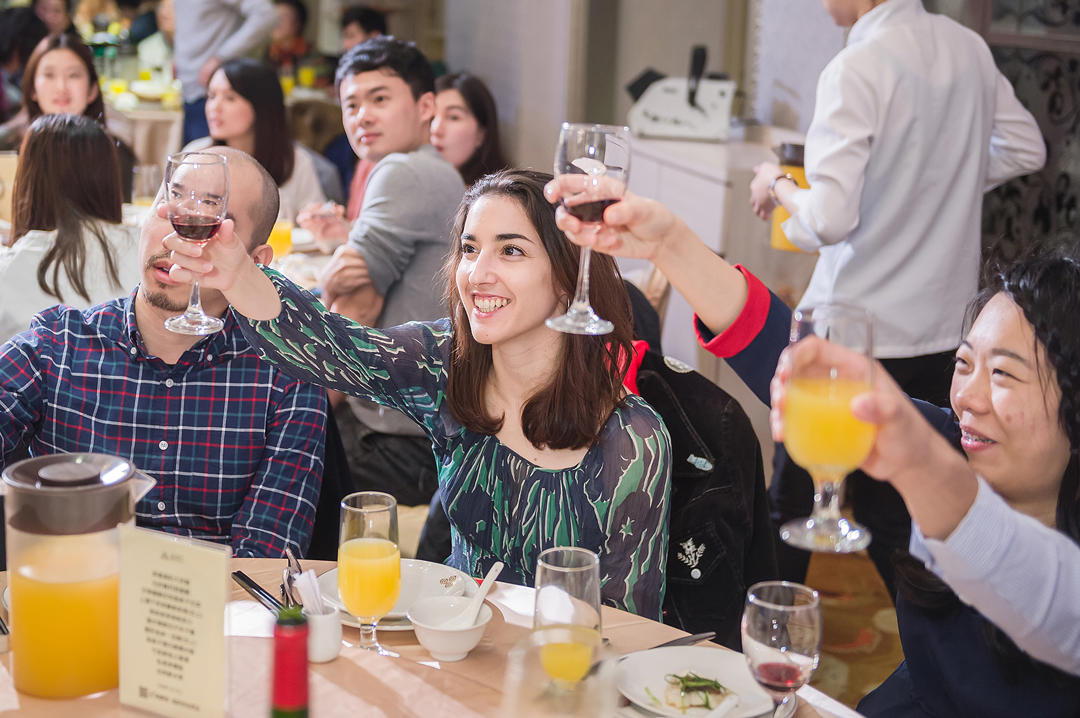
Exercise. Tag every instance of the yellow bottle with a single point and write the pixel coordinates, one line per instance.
(791, 161)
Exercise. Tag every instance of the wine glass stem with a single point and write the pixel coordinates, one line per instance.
(194, 304)
(367, 636)
(827, 500)
(581, 295)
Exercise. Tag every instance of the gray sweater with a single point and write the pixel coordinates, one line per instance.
(217, 28)
(403, 233)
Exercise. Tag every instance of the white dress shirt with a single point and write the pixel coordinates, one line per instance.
(912, 123)
(1021, 575)
(23, 298)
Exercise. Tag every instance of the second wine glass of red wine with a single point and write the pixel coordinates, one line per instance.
(592, 167)
(197, 197)
(781, 638)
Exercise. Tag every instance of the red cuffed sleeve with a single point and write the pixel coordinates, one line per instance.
(746, 326)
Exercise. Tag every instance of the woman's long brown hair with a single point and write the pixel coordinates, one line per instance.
(68, 174)
(569, 411)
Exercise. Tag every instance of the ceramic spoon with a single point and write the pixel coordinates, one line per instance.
(467, 618)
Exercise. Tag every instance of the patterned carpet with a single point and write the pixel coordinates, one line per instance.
(860, 647)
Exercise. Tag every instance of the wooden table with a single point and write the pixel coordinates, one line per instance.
(358, 684)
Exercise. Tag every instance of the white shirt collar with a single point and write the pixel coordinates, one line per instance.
(888, 12)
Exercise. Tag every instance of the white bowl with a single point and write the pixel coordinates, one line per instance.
(453, 644)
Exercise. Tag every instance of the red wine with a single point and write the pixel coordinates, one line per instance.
(780, 677)
(590, 211)
(195, 227)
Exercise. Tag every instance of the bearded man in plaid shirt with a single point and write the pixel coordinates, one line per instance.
(235, 445)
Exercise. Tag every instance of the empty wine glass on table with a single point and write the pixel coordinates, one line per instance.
(820, 432)
(781, 638)
(197, 199)
(369, 562)
(592, 167)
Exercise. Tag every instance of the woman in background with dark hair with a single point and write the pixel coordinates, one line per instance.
(59, 79)
(245, 109)
(465, 129)
(536, 441)
(70, 246)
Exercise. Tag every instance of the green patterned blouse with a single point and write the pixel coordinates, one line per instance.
(501, 507)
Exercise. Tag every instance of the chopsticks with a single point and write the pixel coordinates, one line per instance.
(257, 592)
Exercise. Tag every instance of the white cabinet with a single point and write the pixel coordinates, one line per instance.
(707, 184)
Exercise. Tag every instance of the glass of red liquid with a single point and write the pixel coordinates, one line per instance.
(592, 166)
(781, 638)
(197, 197)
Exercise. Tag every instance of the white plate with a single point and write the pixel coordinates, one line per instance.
(647, 669)
(419, 579)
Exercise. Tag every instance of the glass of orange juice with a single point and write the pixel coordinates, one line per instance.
(567, 598)
(369, 562)
(820, 432)
(281, 238)
(536, 682)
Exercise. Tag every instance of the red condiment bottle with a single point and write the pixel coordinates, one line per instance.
(290, 679)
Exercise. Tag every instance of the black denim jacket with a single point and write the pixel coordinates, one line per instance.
(721, 537)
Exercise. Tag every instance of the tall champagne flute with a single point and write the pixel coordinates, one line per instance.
(820, 432)
(781, 638)
(592, 167)
(567, 609)
(197, 197)
(369, 562)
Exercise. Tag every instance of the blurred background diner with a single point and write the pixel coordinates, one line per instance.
(737, 117)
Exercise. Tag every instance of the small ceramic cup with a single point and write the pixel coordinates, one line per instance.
(324, 635)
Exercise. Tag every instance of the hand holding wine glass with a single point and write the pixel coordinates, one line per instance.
(592, 167)
(197, 198)
(781, 638)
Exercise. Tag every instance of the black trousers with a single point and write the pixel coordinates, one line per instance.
(876, 504)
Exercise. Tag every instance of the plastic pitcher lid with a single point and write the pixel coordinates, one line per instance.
(63, 494)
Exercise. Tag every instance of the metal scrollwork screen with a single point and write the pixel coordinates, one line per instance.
(1036, 44)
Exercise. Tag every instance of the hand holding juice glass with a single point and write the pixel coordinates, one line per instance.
(820, 432)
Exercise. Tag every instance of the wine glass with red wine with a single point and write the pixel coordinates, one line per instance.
(781, 638)
(197, 197)
(592, 167)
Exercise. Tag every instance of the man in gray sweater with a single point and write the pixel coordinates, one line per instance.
(388, 271)
(209, 32)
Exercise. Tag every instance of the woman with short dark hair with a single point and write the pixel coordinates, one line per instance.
(70, 246)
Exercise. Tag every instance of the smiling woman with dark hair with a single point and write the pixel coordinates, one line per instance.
(537, 443)
(70, 246)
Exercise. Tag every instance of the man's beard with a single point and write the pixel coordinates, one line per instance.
(161, 300)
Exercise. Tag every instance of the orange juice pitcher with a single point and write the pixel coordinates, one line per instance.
(791, 161)
(63, 514)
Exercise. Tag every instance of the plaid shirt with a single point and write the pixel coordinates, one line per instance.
(235, 445)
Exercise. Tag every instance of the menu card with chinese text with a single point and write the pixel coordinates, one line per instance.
(172, 623)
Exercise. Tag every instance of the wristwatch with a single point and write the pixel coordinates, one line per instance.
(777, 178)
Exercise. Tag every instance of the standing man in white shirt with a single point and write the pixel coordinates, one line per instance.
(209, 32)
(913, 122)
